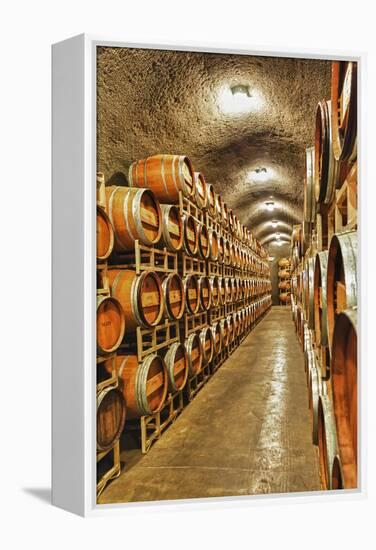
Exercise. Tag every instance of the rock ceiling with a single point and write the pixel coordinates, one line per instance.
(250, 144)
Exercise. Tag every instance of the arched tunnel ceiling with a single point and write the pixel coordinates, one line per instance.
(153, 101)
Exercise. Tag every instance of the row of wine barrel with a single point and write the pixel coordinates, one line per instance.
(284, 280)
(143, 387)
(168, 176)
(329, 285)
(153, 224)
(334, 408)
(336, 132)
(143, 300)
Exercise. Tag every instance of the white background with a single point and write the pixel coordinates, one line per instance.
(27, 31)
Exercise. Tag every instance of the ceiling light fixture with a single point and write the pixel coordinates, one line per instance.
(274, 223)
(271, 258)
(269, 205)
(239, 99)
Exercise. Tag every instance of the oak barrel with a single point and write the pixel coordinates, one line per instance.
(172, 228)
(326, 166)
(135, 215)
(320, 310)
(174, 296)
(284, 262)
(176, 360)
(309, 277)
(111, 413)
(309, 208)
(203, 241)
(207, 343)
(217, 338)
(341, 276)
(211, 199)
(190, 241)
(140, 296)
(192, 293)
(344, 373)
(215, 290)
(195, 353)
(314, 391)
(213, 245)
(344, 109)
(327, 441)
(201, 192)
(105, 235)
(110, 324)
(205, 292)
(165, 175)
(144, 386)
(225, 333)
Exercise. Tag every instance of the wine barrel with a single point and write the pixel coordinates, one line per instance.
(211, 200)
(284, 262)
(327, 442)
(192, 293)
(224, 214)
(309, 277)
(320, 313)
(223, 290)
(207, 343)
(296, 234)
(190, 241)
(231, 328)
(224, 332)
(215, 291)
(203, 241)
(344, 109)
(218, 207)
(105, 235)
(195, 353)
(111, 413)
(172, 228)
(140, 296)
(283, 274)
(176, 360)
(228, 290)
(306, 237)
(314, 390)
(284, 297)
(205, 292)
(217, 338)
(174, 296)
(309, 209)
(144, 386)
(226, 252)
(284, 285)
(201, 192)
(341, 276)
(135, 215)
(221, 249)
(165, 175)
(345, 393)
(326, 166)
(213, 245)
(110, 324)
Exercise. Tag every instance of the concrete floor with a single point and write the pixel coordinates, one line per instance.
(246, 432)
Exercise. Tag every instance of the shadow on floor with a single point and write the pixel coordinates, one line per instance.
(40, 493)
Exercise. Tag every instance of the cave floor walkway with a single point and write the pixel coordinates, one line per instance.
(246, 432)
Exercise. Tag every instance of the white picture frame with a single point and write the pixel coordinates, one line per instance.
(74, 281)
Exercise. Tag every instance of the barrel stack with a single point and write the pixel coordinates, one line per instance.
(324, 280)
(284, 281)
(185, 282)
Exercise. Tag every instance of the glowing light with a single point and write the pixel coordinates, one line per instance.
(270, 205)
(271, 258)
(239, 100)
(274, 223)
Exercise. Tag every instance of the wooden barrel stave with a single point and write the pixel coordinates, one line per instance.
(327, 441)
(105, 235)
(174, 296)
(195, 354)
(172, 228)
